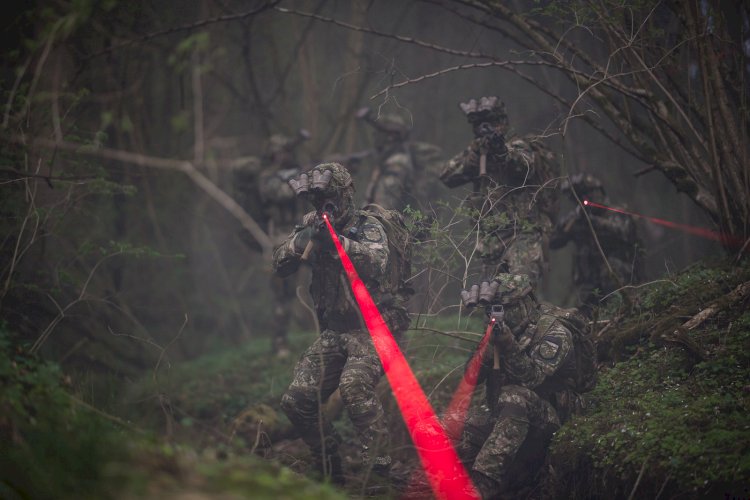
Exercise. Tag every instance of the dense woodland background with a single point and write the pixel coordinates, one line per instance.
(122, 252)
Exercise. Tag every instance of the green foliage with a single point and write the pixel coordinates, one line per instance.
(218, 386)
(438, 359)
(52, 446)
(697, 285)
(267, 481)
(159, 470)
(663, 409)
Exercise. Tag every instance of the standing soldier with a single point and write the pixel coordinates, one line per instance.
(391, 179)
(595, 275)
(513, 198)
(281, 210)
(343, 356)
(536, 366)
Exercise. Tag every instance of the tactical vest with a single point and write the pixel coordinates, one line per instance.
(583, 375)
(399, 246)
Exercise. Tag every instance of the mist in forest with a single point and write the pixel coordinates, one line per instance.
(212, 81)
(133, 133)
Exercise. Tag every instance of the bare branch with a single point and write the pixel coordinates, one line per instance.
(405, 39)
(184, 166)
(187, 27)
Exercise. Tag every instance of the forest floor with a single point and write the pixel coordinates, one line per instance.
(668, 418)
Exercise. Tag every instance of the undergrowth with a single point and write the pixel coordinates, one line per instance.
(672, 418)
(214, 389)
(55, 445)
(52, 445)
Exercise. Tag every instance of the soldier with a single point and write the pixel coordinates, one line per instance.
(391, 180)
(281, 210)
(512, 198)
(533, 372)
(343, 356)
(617, 237)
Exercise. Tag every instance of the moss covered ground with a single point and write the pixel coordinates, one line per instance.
(668, 418)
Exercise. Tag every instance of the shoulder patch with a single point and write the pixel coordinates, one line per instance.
(372, 233)
(548, 349)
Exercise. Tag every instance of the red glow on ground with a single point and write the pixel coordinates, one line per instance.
(456, 411)
(447, 475)
(455, 415)
(723, 238)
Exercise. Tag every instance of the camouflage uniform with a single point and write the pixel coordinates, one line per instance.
(512, 428)
(343, 356)
(391, 180)
(616, 234)
(281, 211)
(513, 202)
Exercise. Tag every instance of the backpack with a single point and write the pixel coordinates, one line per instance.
(583, 346)
(399, 244)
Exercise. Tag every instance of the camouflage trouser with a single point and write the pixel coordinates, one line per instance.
(501, 445)
(347, 361)
(284, 297)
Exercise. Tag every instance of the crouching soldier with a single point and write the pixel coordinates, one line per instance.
(533, 371)
(343, 356)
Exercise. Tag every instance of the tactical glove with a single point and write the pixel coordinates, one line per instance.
(302, 238)
(323, 237)
(502, 337)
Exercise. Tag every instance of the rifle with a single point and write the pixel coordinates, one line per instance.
(497, 313)
(319, 224)
(490, 140)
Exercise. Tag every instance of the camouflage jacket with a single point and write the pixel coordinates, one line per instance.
(515, 193)
(392, 180)
(542, 359)
(619, 241)
(281, 207)
(335, 305)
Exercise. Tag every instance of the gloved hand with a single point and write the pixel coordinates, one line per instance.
(322, 236)
(492, 141)
(302, 238)
(502, 337)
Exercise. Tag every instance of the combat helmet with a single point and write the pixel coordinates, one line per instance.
(280, 148)
(393, 123)
(585, 186)
(516, 293)
(391, 128)
(513, 291)
(280, 142)
(328, 185)
(487, 109)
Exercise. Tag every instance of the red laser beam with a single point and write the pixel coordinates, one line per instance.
(455, 415)
(447, 475)
(723, 238)
(456, 411)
